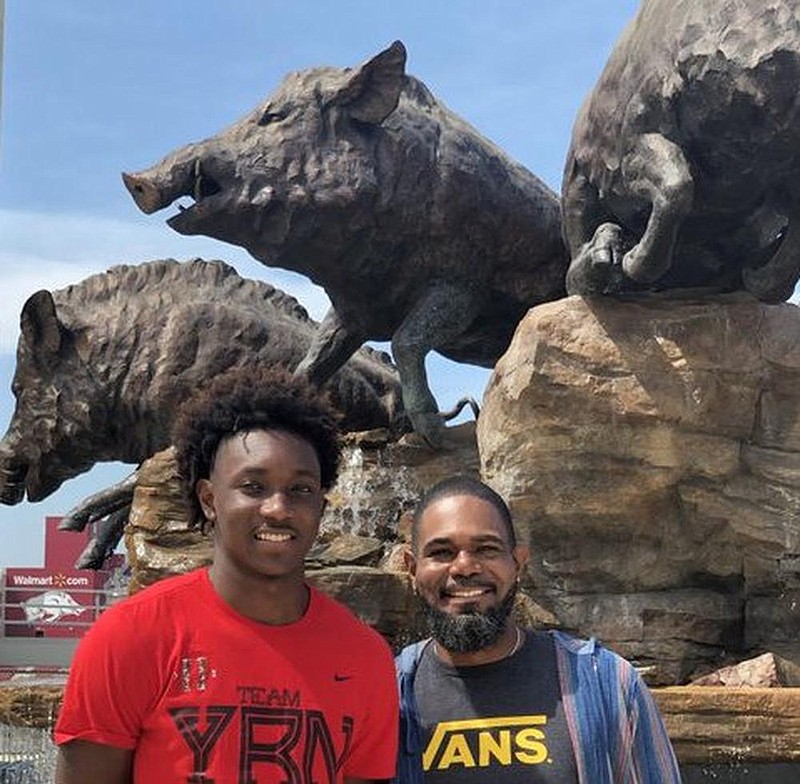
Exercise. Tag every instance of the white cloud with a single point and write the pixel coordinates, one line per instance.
(50, 251)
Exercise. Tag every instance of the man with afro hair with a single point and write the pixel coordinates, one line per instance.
(240, 671)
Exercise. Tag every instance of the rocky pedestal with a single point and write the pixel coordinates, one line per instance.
(732, 726)
(650, 452)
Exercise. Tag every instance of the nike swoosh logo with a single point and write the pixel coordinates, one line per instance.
(339, 678)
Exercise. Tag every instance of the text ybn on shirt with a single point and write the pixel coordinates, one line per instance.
(484, 742)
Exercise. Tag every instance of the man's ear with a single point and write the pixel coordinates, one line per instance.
(205, 495)
(410, 561)
(521, 555)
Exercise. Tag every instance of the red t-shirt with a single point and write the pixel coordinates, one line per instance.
(201, 691)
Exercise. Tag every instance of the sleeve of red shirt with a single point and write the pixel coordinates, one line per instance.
(109, 689)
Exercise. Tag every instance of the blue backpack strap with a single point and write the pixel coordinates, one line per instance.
(406, 661)
(409, 761)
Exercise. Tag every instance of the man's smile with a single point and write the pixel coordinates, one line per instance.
(467, 597)
(277, 536)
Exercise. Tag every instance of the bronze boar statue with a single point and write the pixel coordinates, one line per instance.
(103, 365)
(420, 230)
(684, 157)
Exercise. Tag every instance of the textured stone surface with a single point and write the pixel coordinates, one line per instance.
(683, 156)
(382, 599)
(765, 671)
(649, 451)
(716, 724)
(707, 725)
(158, 539)
(29, 706)
(349, 549)
(419, 229)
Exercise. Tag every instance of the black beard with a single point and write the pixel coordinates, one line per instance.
(469, 631)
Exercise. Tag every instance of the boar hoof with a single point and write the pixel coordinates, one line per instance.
(430, 426)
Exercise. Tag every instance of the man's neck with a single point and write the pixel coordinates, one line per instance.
(506, 645)
(261, 599)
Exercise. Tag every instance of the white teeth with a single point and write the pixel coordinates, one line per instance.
(267, 536)
(467, 594)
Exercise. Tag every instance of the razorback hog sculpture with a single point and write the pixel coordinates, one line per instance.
(421, 231)
(103, 365)
(683, 168)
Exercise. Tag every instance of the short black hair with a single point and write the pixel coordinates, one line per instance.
(462, 485)
(245, 399)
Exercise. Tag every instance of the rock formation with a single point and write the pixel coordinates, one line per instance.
(728, 730)
(650, 452)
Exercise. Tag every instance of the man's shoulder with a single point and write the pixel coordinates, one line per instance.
(407, 660)
(137, 622)
(344, 620)
(608, 663)
(169, 591)
(583, 646)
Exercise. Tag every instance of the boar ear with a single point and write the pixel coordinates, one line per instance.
(373, 89)
(39, 323)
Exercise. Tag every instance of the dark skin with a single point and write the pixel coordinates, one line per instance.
(463, 562)
(264, 500)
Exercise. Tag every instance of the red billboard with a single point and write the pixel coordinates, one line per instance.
(57, 600)
(43, 603)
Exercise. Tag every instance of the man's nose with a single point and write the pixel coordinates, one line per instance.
(465, 563)
(276, 505)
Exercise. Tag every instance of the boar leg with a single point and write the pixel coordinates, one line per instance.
(107, 534)
(775, 281)
(581, 209)
(597, 269)
(445, 311)
(594, 243)
(100, 504)
(657, 172)
(333, 344)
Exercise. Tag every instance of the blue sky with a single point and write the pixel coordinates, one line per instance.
(95, 87)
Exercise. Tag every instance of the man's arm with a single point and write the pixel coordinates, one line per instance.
(652, 757)
(80, 761)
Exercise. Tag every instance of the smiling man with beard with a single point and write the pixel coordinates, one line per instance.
(484, 701)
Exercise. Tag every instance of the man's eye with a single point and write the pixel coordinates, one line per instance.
(251, 488)
(440, 554)
(302, 490)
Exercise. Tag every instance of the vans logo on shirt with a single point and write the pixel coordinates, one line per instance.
(484, 743)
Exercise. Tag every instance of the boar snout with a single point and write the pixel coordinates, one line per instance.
(12, 478)
(145, 194)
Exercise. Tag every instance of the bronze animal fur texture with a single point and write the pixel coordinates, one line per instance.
(683, 166)
(103, 365)
(420, 230)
